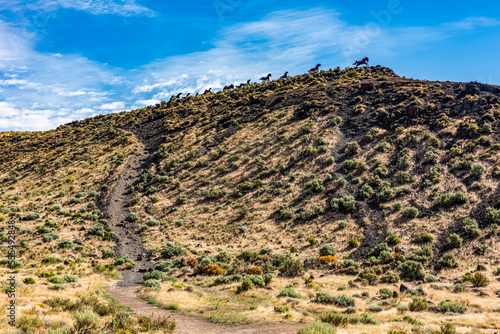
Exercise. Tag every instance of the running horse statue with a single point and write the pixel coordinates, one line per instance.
(363, 61)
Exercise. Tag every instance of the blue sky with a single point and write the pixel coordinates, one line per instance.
(62, 60)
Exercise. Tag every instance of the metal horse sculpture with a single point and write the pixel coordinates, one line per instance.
(266, 78)
(363, 61)
(315, 68)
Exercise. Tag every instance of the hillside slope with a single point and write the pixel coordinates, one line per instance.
(389, 176)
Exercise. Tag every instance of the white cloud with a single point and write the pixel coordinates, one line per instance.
(117, 105)
(472, 23)
(96, 7)
(145, 103)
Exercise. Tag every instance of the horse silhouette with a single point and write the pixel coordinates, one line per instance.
(363, 61)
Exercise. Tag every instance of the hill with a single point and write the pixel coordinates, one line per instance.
(348, 179)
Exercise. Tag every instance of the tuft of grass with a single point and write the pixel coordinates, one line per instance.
(227, 318)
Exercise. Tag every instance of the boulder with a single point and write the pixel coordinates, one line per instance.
(367, 86)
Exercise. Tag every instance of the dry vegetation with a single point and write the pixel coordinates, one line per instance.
(337, 183)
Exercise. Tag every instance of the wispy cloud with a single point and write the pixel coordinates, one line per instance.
(96, 7)
(117, 105)
(472, 23)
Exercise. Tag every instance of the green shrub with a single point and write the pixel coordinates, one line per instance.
(32, 216)
(66, 244)
(57, 287)
(479, 280)
(366, 191)
(329, 161)
(133, 217)
(152, 283)
(341, 320)
(47, 237)
(431, 156)
(315, 185)
(477, 169)
(291, 267)
(317, 328)
(445, 306)
(481, 249)
(335, 319)
(284, 211)
(423, 238)
(389, 277)
(402, 177)
(353, 243)
(422, 255)
(385, 194)
(106, 253)
(181, 199)
(352, 148)
(223, 257)
(221, 280)
(492, 215)
(418, 304)
(327, 250)
(393, 239)
(374, 308)
(289, 291)
(29, 280)
(215, 193)
(268, 278)
(98, 230)
(86, 322)
(121, 260)
(385, 293)
(447, 328)
(471, 227)
(410, 212)
(343, 204)
(402, 309)
(155, 274)
(454, 240)
(341, 182)
(70, 278)
(431, 279)
(412, 270)
(236, 278)
(246, 285)
(52, 259)
(377, 250)
(447, 261)
(368, 274)
(152, 223)
(171, 251)
(383, 147)
(340, 300)
(458, 287)
(450, 199)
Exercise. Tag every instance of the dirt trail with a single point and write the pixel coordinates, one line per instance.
(186, 324)
(129, 244)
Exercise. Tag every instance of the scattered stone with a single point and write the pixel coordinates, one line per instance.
(480, 267)
(367, 86)
(404, 289)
